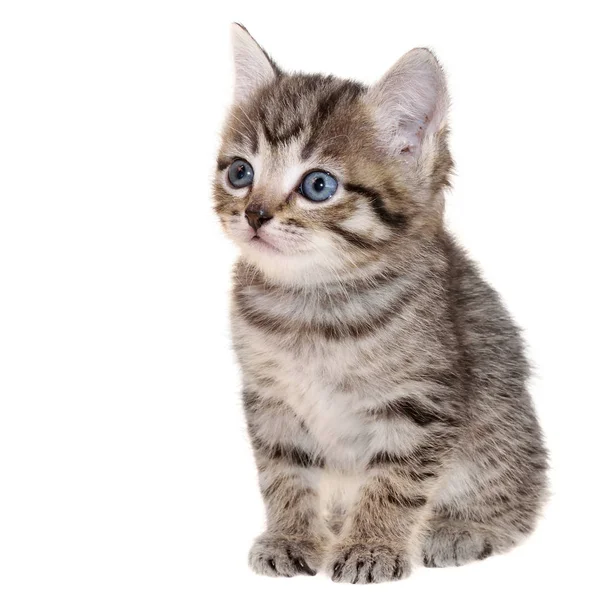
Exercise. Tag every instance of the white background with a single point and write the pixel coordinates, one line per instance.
(125, 471)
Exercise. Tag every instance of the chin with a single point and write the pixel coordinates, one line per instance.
(292, 268)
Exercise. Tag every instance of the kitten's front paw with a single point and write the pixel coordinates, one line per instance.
(367, 563)
(279, 556)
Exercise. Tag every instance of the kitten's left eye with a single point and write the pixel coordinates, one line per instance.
(318, 186)
(240, 173)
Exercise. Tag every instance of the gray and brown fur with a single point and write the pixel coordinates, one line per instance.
(385, 384)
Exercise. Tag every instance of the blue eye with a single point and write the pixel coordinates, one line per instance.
(318, 186)
(240, 173)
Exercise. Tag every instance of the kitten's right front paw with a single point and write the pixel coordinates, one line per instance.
(366, 563)
(278, 556)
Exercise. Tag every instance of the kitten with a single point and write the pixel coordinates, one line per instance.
(384, 381)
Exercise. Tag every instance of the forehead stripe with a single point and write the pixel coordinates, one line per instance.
(276, 138)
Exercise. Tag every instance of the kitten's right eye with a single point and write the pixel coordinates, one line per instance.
(240, 173)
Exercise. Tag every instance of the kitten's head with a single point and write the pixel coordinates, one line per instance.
(321, 179)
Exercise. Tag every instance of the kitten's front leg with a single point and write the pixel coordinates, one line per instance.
(294, 541)
(289, 471)
(381, 533)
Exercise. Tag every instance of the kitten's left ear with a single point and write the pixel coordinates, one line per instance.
(410, 103)
(253, 67)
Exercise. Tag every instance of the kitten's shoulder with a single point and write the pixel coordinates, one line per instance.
(480, 314)
(466, 280)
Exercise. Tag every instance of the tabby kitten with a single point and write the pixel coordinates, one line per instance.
(384, 381)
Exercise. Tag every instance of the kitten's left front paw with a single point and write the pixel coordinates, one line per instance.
(278, 556)
(365, 563)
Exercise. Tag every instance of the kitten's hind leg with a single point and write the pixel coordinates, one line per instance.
(453, 543)
(477, 522)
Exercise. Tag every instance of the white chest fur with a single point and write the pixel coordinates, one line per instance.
(330, 382)
(313, 377)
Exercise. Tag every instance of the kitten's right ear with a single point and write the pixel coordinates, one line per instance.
(253, 68)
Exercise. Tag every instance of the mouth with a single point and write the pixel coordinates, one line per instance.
(259, 242)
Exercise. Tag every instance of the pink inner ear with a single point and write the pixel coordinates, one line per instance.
(415, 130)
(253, 68)
(410, 102)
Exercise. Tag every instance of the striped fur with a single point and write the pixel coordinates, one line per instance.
(385, 384)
